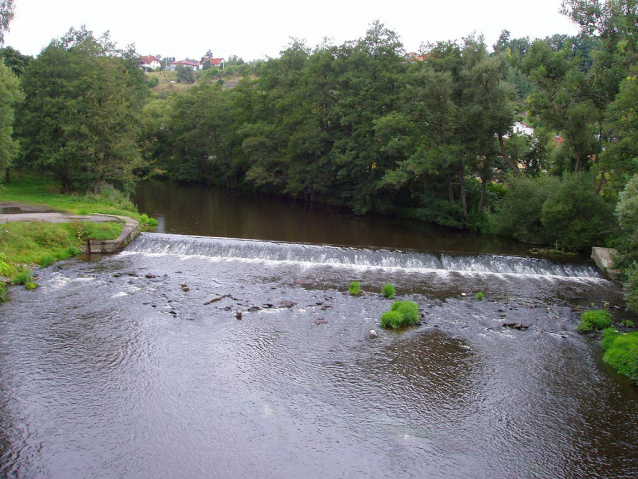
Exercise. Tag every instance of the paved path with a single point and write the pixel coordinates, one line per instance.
(24, 212)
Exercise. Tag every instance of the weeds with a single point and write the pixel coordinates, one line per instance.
(620, 351)
(388, 291)
(480, 295)
(402, 313)
(594, 320)
(355, 288)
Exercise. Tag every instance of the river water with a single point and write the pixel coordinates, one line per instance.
(139, 365)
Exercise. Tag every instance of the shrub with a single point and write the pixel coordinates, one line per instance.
(594, 320)
(402, 313)
(144, 219)
(620, 351)
(480, 296)
(388, 291)
(391, 319)
(355, 288)
(628, 323)
(23, 277)
(3, 292)
(31, 286)
(575, 216)
(152, 222)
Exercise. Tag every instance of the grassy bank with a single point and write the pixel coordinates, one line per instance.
(26, 245)
(43, 191)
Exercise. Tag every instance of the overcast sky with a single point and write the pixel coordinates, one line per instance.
(257, 29)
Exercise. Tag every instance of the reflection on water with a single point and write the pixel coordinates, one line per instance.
(197, 210)
(125, 368)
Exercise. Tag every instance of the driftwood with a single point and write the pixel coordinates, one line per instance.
(214, 300)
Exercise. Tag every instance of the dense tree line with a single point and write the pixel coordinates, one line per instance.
(364, 125)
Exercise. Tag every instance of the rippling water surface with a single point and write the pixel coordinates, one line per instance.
(123, 367)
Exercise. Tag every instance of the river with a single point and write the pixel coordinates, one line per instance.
(227, 346)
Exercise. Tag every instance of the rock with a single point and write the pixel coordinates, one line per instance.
(268, 305)
(186, 289)
(150, 276)
(373, 334)
(463, 294)
(287, 303)
(252, 309)
(300, 281)
(173, 312)
(238, 314)
(117, 275)
(502, 315)
(325, 307)
(319, 321)
(146, 302)
(518, 326)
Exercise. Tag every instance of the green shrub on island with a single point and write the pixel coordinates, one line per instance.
(152, 222)
(480, 295)
(30, 286)
(23, 277)
(388, 291)
(594, 320)
(628, 323)
(402, 313)
(355, 288)
(620, 351)
(391, 320)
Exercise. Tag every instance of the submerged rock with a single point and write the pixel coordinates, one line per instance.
(519, 326)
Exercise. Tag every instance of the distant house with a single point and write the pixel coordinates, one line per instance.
(522, 128)
(149, 63)
(192, 64)
(214, 62)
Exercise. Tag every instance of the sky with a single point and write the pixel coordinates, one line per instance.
(259, 29)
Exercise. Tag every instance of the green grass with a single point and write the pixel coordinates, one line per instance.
(628, 323)
(355, 288)
(402, 313)
(23, 277)
(36, 243)
(43, 191)
(594, 320)
(620, 351)
(388, 291)
(480, 295)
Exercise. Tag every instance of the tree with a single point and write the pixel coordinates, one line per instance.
(10, 96)
(185, 74)
(15, 60)
(80, 118)
(6, 15)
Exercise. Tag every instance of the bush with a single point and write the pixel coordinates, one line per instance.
(388, 291)
(594, 320)
(391, 319)
(23, 277)
(31, 286)
(518, 213)
(355, 288)
(575, 216)
(3, 292)
(402, 313)
(621, 352)
(152, 222)
(628, 323)
(480, 296)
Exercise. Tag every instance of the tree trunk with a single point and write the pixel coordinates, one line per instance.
(463, 199)
(577, 163)
(482, 202)
(450, 189)
(602, 182)
(507, 157)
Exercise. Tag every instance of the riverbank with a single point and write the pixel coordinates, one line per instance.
(63, 226)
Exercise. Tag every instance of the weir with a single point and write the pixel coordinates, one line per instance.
(215, 247)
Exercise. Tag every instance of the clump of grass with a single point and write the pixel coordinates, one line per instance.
(355, 288)
(628, 323)
(23, 277)
(30, 286)
(402, 313)
(594, 320)
(3, 292)
(388, 291)
(152, 222)
(480, 295)
(391, 319)
(620, 351)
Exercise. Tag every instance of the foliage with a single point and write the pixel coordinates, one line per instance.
(388, 291)
(575, 216)
(80, 117)
(31, 286)
(6, 15)
(402, 313)
(480, 296)
(391, 319)
(3, 292)
(594, 320)
(185, 74)
(15, 60)
(518, 213)
(620, 351)
(10, 97)
(628, 323)
(355, 288)
(23, 277)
